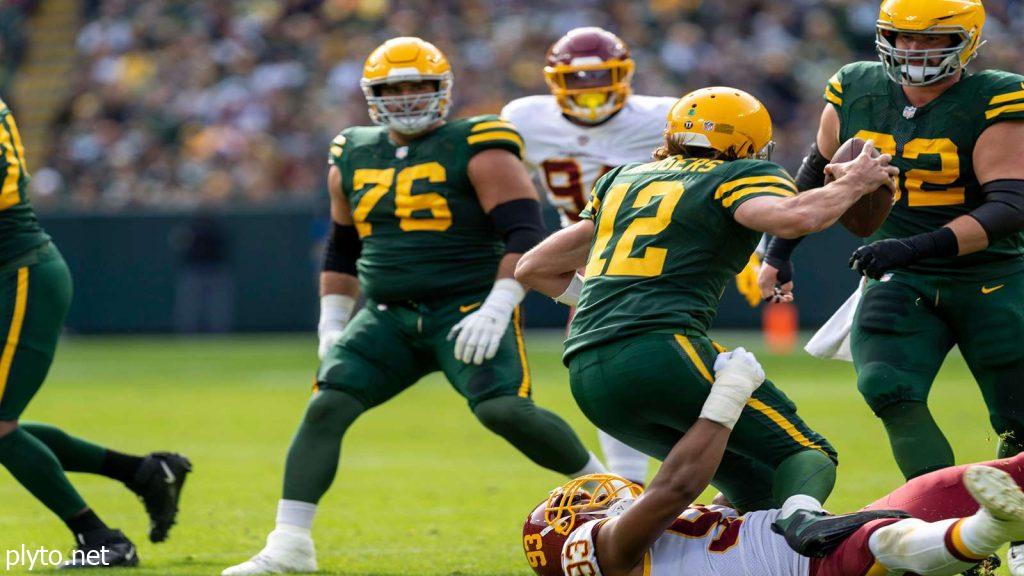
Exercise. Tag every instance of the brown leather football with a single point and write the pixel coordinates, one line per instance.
(866, 216)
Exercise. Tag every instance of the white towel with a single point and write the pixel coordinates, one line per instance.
(832, 340)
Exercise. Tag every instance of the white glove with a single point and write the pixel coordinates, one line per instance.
(335, 312)
(571, 296)
(479, 334)
(737, 376)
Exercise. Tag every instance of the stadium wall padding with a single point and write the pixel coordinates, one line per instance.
(127, 270)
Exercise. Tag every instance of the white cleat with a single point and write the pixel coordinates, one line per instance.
(287, 552)
(1015, 559)
(997, 492)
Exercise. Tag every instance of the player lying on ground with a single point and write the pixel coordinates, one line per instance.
(663, 240)
(958, 515)
(430, 218)
(35, 292)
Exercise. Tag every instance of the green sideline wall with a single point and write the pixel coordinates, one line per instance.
(125, 270)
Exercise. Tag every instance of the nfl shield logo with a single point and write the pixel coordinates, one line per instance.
(401, 152)
(709, 126)
(583, 139)
(909, 112)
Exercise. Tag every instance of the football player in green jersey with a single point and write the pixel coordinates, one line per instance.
(35, 293)
(947, 266)
(430, 219)
(659, 241)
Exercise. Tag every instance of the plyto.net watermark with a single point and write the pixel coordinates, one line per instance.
(42, 558)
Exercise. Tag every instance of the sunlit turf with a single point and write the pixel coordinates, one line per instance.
(422, 489)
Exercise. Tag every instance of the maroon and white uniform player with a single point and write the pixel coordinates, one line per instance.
(958, 516)
(590, 123)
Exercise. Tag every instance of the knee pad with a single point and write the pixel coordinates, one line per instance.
(503, 414)
(881, 386)
(330, 408)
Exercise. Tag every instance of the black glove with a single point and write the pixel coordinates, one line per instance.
(880, 257)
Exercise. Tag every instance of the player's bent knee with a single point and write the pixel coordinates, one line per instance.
(881, 385)
(7, 426)
(332, 408)
(505, 414)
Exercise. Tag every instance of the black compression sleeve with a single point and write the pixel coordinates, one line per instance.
(811, 174)
(520, 224)
(1002, 213)
(343, 249)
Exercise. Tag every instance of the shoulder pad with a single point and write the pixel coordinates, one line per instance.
(579, 554)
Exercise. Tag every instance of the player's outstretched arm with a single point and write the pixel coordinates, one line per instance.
(815, 210)
(507, 195)
(339, 286)
(999, 166)
(775, 277)
(550, 267)
(686, 472)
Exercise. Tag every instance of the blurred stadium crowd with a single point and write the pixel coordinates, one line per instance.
(199, 103)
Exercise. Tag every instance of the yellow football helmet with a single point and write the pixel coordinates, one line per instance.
(962, 18)
(724, 119)
(589, 72)
(407, 59)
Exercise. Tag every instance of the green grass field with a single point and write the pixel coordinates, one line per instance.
(422, 489)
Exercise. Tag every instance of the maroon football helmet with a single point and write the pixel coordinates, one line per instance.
(589, 72)
(567, 508)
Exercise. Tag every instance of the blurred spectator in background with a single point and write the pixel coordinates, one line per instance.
(204, 298)
(181, 103)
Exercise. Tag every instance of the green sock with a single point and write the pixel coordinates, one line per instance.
(313, 456)
(917, 443)
(37, 469)
(74, 454)
(542, 436)
(809, 472)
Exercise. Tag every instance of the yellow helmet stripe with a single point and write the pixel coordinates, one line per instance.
(767, 190)
(1006, 98)
(763, 180)
(997, 111)
(496, 135)
(493, 124)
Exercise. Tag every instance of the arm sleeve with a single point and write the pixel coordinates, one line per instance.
(757, 179)
(589, 211)
(492, 132)
(834, 91)
(334, 154)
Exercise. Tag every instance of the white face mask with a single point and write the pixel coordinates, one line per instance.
(413, 113)
(898, 67)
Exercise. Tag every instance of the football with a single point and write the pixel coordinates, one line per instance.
(867, 214)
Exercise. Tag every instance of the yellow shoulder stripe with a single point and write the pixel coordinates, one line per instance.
(494, 124)
(833, 98)
(834, 83)
(1006, 97)
(1003, 110)
(769, 190)
(496, 135)
(762, 180)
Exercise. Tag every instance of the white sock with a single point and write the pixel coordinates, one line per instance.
(983, 534)
(293, 514)
(593, 466)
(800, 502)
(913, 545)
(623, 459)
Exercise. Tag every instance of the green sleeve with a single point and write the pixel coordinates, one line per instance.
(834, 90)
(753, 179)
(337, 146)
(1005, 99)
(490, 131)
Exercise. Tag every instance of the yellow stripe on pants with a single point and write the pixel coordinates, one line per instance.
(14, 333)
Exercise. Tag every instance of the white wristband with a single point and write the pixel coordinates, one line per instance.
(571, 296)
(504, 297)
(335, 312)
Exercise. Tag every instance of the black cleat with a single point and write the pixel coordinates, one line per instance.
(103, 548)
(986, 568)
(158, 483)
(815, 534)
